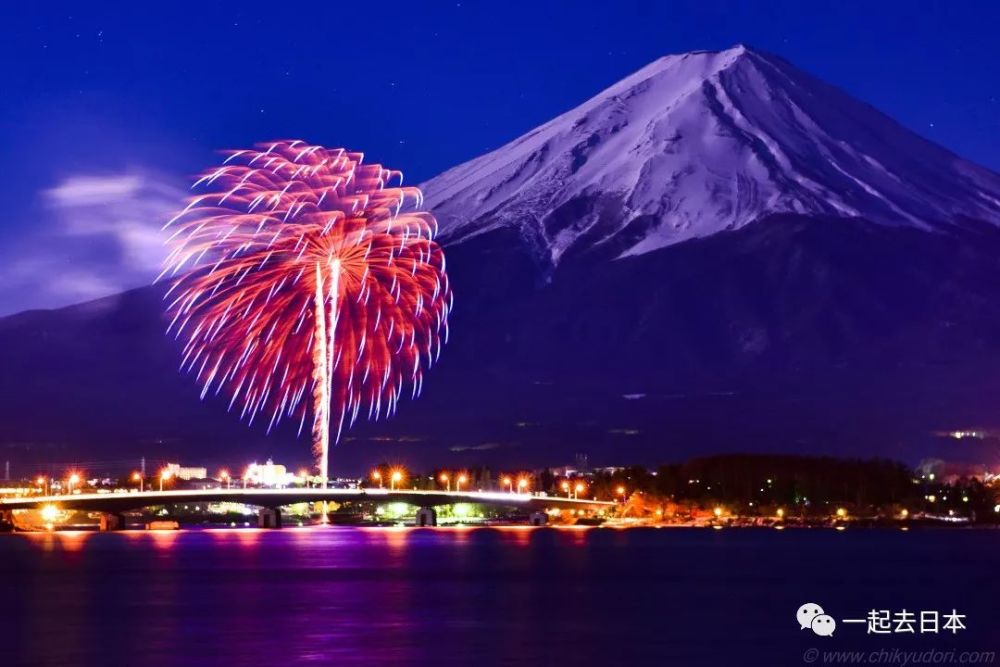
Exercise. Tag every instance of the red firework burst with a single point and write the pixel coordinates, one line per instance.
(299, 270)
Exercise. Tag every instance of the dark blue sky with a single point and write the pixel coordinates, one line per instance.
(105, 111)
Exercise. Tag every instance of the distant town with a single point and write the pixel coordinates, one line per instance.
(719, 491)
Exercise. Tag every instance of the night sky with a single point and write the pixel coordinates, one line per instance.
(105, 112)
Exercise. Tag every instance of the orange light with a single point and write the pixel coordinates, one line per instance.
(40, 481)
(396, 475)
(376, 475)
(565, 486)
(621, 490)
(579, 488)
(165, 474)
(506, 481)
(224, 474)
(444, 478)
(303, 473)
(74, 478)
(522, 484)
(136, 477)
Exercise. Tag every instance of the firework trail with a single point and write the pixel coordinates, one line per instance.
(303, 282)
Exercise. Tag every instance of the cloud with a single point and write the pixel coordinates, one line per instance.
(98, 235)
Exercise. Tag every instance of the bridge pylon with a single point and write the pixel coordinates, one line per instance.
(427, 516)
(268, 517)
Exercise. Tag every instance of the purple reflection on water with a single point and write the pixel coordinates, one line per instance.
(460, 596)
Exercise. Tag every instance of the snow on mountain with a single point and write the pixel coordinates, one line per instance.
(698, 143)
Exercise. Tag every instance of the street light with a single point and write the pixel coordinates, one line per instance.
(509, 483)
(446, 480)
(462, 479)
(73, 479)
(621, 492)
(42, 482)
(578, 489)
(522, 484)
(377, 476)
(164, 476)
(565, 487)
(137, 477)
(304, 476)
(396, 478)
(717, 512)
(224, 476)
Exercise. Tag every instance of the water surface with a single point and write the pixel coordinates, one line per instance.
(478, 595)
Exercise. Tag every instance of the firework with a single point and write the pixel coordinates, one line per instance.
(305, 283)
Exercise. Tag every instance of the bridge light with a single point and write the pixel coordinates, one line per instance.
(509, 483)
(565, 487)
(578, 489)
(164, 476)
(137, 477)
(50, 513)
(841, 512)
(226, 477)
(621, 492)
(446, 480)
(522, 484)
(73, 479)
(462, 479)
(781, 513)
(377, 476)
(397, 476)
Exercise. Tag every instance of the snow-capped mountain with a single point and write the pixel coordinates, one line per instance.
(852, 307)
(702, 142)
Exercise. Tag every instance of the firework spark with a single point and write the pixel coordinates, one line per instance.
(304, 283)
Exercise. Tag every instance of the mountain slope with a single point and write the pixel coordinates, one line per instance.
(792, 271)
(698, 143)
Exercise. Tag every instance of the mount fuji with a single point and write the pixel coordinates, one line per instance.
(720, 252)
(705, 142)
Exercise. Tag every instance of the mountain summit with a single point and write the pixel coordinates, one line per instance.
(702, 142)
(793, 271)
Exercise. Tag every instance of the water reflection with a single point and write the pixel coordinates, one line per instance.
(339, 595)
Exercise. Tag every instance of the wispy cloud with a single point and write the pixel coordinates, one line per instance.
(98, 235)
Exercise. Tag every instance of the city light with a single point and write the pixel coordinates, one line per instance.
(462, 479)
(396, 478)
(841, 512)
(164, 476)
(579, 488)
(565, 487)
(522, 485)
(718, 512)
(377, 476)
(137, 477)
(73, 479)
(446, 480)
(904, 513)
(225, 477)
(43, 483)
(780, 513)
(509, 483)
(50, 513)
(621, 492)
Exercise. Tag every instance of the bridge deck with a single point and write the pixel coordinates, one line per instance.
(124, 502)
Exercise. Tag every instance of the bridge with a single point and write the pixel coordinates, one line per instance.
(112, 506)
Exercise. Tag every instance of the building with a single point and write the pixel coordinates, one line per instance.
(269, 474)
(186, 473)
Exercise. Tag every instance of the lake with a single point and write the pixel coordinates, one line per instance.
(402, 596)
